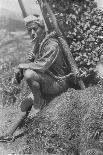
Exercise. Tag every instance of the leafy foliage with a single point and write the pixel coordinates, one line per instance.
(81, 22)
(68, 124)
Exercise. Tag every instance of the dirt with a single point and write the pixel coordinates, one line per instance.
(64, 127)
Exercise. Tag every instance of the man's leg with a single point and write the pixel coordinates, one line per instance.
(43, 83)
(34, 81)
(51, 86)
(37, 82)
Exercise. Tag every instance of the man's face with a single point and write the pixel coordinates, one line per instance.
(34, 32)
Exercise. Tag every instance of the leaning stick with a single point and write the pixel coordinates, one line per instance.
(24, 13)
(66, 50)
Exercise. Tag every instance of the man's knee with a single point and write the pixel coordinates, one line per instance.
(31, 75)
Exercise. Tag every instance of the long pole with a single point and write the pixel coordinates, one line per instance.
(24, 13)
(44, 14)
(66, 50)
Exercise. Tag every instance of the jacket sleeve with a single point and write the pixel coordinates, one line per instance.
(50, 53)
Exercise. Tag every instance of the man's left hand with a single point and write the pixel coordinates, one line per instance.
(18, 75)
(23, 66)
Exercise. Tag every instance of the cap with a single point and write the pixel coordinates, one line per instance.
(32, 20)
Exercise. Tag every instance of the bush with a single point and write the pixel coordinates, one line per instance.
(83, 24)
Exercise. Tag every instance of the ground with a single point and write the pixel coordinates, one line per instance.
(70, 124)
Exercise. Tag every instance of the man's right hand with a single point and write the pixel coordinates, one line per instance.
(18, 75)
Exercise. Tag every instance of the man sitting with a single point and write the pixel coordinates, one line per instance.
(45, 74)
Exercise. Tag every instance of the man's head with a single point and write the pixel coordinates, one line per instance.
(35, 26)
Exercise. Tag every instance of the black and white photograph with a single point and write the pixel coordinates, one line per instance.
(51, 77)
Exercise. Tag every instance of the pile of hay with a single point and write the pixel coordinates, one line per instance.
(71, 124)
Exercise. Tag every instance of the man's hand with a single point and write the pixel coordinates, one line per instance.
(31, 56)
(18, 75)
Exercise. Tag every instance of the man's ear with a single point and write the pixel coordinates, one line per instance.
(99, 70)
(99, 67)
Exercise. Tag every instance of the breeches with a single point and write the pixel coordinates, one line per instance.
(51, 86)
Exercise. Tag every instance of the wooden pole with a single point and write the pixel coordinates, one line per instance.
(66, 50)
(45, 17)
(24, 13)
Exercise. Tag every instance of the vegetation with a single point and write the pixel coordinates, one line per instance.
(68, 123)
(13, 48)
(82, 23)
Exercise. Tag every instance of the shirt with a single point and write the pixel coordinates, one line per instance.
(50, 59)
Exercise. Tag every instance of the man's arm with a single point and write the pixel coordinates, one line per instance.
(49, 56)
